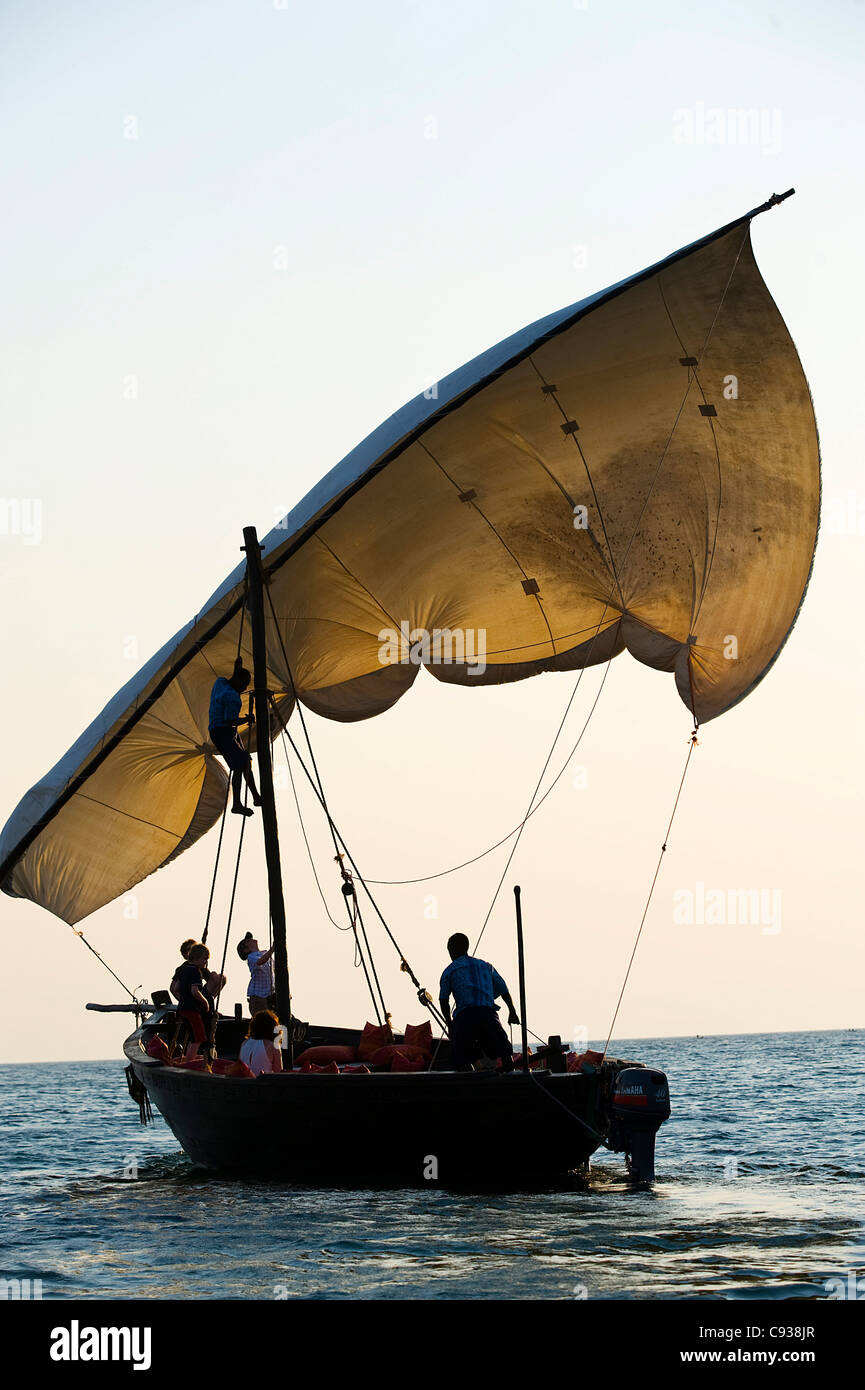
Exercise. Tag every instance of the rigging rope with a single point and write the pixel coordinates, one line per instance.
(82, 937)
(466, 863)
(355, 917)
(228, 781)
(243, 821)
(352, 924)
(525, 819)
(422, 994)
(691, 746)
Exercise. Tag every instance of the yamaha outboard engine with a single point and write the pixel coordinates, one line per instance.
(639, 1105)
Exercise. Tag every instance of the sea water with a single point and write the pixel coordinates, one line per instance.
(759, 1195)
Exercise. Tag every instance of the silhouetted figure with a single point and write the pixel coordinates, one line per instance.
(194, 1004)
(475, 1030)
(224, 718)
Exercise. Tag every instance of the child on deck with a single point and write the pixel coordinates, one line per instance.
(260, 992)
(194, 1005)
(214, 983)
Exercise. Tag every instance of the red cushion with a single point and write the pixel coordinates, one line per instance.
(403, 1062)
(311, 1067)
(327, 1054)
(385, 1055)
(358, 1070)
(372, 1038)
(420, 1035)
(157, 1047)
(224, 1066)
(240, 1069)
(591, 1059)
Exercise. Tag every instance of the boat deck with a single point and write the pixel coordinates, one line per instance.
(435, 1125)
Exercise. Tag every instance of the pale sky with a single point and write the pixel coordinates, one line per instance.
(236, 239)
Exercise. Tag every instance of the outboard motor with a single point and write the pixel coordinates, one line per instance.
(639, 1105)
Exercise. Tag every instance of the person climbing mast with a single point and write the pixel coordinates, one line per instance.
(223, 721)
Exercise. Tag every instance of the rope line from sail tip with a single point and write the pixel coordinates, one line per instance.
(531, 806)
(466, 863)
(692, 744)
(93, 950)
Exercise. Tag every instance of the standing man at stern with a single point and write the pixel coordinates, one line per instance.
(475, 1030)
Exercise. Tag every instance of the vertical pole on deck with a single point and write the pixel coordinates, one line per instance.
(265, 779)
(524, 1031)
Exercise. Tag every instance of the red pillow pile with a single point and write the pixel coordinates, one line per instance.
(420, 1035)
(411, 1055)
(372, 1038)
(377, 1048)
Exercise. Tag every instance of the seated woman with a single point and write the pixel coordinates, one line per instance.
(259, 1051)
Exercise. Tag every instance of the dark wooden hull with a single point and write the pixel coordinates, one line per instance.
(385, 1127)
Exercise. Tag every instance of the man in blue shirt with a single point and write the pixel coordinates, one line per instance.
(224, 717)
(475, 1030)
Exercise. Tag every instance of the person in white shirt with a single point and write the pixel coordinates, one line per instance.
(259, 1050)
(260, 992)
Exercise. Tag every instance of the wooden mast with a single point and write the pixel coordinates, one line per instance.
(265, 778)
(524, 1031)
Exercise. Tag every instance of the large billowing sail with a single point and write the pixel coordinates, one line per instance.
(638, 470)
